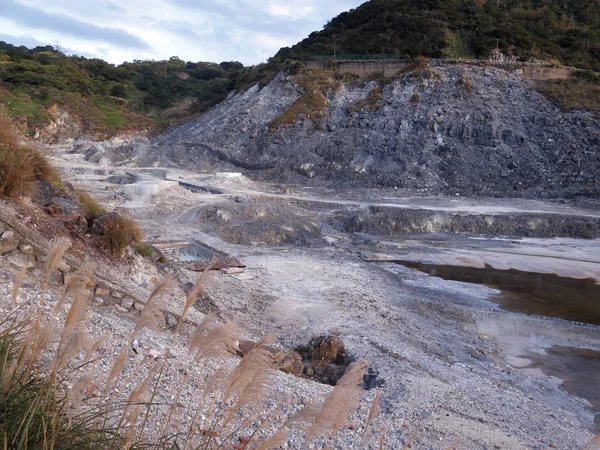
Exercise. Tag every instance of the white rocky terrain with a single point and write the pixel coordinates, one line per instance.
(478, 316)
(455, 369)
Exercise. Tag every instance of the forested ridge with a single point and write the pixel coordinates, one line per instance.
(138, 94)
(560, 31)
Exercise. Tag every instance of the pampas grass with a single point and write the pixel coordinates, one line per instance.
(374, 411)
(231, 400)
(301, 421)
(152, 316)
(192, 296)
(17, 284)
(74, 338)
(592, 444)
(76, 283)
(212, 340)
(117, 367)
(338, 404)
(57, 251)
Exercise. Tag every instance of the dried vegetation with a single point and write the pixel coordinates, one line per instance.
(313, 103)
(40, 361)
(20, 166)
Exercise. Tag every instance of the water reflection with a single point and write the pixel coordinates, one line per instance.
(530, 293)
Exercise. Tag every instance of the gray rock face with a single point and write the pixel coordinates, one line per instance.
(67, 207)
(42, 193)
(503, 139)
(20, 260)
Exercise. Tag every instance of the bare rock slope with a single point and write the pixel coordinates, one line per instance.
(462, 129)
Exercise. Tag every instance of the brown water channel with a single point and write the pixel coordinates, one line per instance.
(543, 295)
(529, 293)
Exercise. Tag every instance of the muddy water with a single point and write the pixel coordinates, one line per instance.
(529, 293)
(578, 368)
(543, 295)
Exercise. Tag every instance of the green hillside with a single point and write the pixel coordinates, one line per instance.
(131, 96)
(563, 31)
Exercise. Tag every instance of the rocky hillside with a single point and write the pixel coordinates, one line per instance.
(451, 129)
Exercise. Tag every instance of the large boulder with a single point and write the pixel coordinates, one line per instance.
(42, 193)
(66, 207)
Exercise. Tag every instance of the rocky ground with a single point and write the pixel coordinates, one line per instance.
(453, 368)
(471, 130)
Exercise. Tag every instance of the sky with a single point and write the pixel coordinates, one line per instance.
(194, 30)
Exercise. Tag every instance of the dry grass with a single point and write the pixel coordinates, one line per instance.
(312, 105)
(118, 233)
(372, 103)
(466, 83)
(20, 166)
(90, 206)
(573, 94)
(17, 284)
(38, 410)
(55, 255)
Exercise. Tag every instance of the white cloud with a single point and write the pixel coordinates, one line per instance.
(194, 30)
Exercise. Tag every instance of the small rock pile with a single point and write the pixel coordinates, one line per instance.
(325, 359)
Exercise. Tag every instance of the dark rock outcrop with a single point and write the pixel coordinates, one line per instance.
(499, 138)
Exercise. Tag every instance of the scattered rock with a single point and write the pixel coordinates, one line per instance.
(335, 370)
(66, 208)
(8, 245)
(116, 294)
(290, 362)
(127, 303)
(63, 266)
(26, 249)
(307, 170)
(120, 309)
(9, 234)
(42, 193)
(138, 306)
(99, 300)
(102, 292)
(171, 320)
(20, 260)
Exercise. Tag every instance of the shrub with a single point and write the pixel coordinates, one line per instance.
(312, 104)
(466, 83)
(118, 90)
(415, 98)
(119, 232)
(143, 249)
(20, 166)
(90, 205)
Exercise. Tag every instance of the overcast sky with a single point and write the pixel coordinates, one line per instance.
(194, 30)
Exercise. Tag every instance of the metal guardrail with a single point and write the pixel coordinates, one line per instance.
(356, 57)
